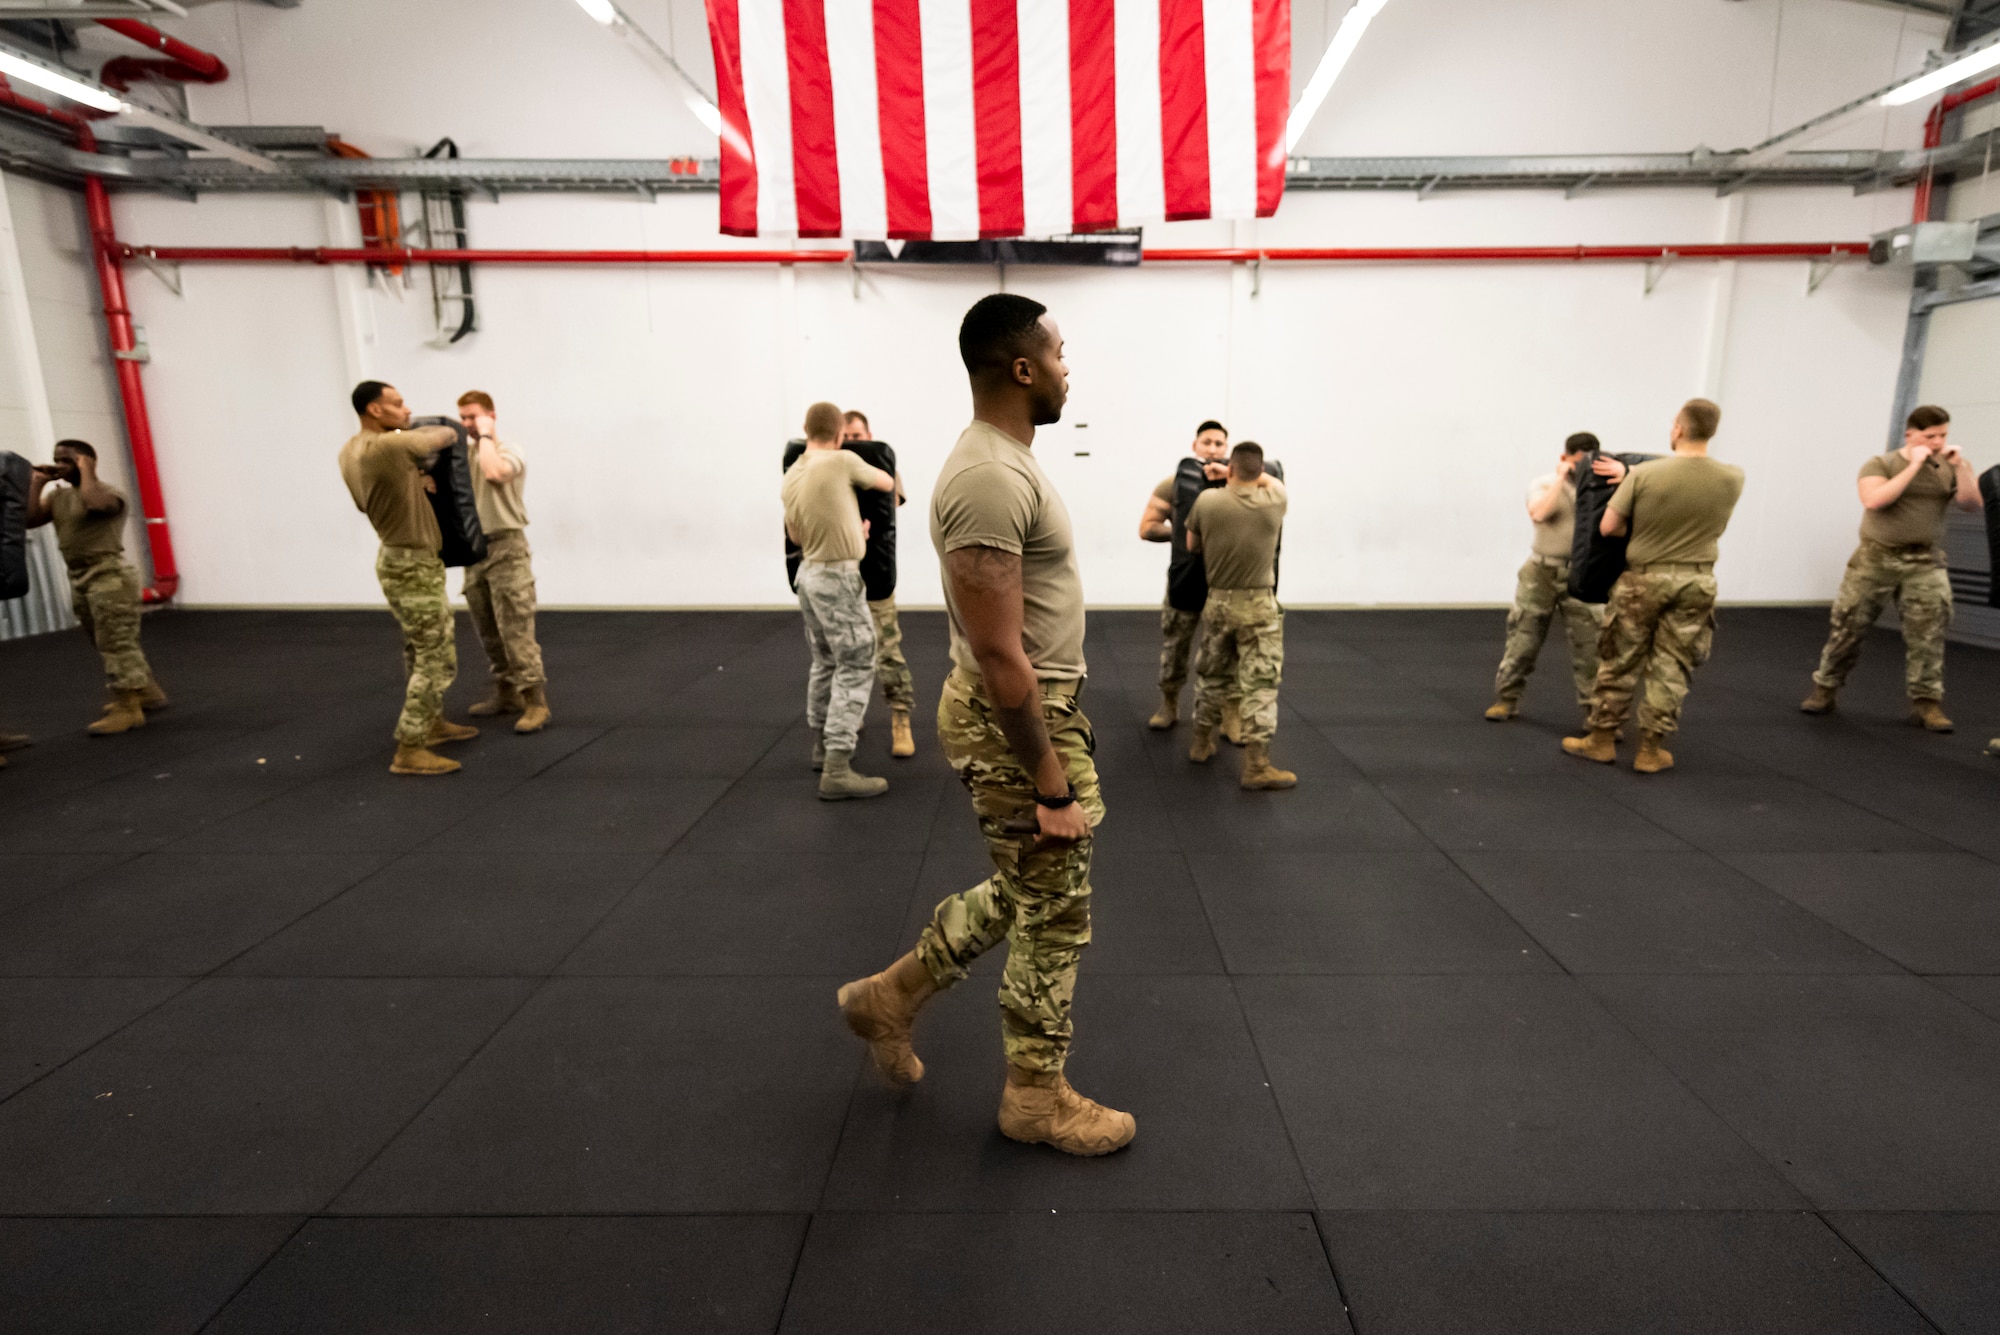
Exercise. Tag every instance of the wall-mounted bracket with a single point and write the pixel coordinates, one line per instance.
(164, 270)
(1657, 269)
(1582, 185)
(1257, 276)
(1818, 270)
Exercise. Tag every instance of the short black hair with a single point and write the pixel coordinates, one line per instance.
(1211, 425)
(1928, 417)
(82, 447)
(366, 393)
(1247, 459)
(998, 329)
(1580, 442)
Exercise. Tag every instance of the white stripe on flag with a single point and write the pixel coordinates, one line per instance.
(857, 130)
(951, 145)
(1045, 123)
(1228, 46)
(1142, 188)
(767, 98)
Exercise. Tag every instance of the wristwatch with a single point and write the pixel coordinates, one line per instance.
(1057, 803)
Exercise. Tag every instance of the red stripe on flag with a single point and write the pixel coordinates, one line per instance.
(1183, 109)
(1271, 29)
(899, 94)
(739, 163)
(996, 111)
(815, 158)
(1093, 113)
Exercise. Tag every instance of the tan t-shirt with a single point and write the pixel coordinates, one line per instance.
(1165, 491)
(820, 505)
(83, 535)
(1239, 528)
(992, 493)
(1678, 508)
(500, 504)
(383, 471)
(1555, 536)
(1917, 516)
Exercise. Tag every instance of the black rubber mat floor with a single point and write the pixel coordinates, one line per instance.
(1462, 1035)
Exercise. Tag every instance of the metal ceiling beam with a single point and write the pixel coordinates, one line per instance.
(90, 9)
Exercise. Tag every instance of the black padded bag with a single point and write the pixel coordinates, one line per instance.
(878, 562)
(1187, 573)
(1595, 561)
(453, 500)
(17, 480)
(1989, 488)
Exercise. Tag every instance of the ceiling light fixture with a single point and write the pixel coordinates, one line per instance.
(697, 98)
(1976, 61)
(1345, 39)
(602, 10)
(27, 69)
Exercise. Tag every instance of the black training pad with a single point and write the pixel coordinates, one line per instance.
(16, 481)
(1462, 1033)
(1595, 561)
(1989, 491)
(452, 497)
(878, 508)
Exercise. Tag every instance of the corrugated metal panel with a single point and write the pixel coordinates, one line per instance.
(45, 607)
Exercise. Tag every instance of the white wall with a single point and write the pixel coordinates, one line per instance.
(1411, 404)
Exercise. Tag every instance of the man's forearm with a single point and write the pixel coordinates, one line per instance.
(1016, 696)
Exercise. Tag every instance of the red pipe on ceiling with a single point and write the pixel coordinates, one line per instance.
(1934, 136)
(108, 255)
(1471, 254)
(184, 63)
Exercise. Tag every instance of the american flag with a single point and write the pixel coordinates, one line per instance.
(957, 119)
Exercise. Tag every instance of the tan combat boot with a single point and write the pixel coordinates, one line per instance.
(1600, 744)
(444, 730)
(1168, 714)
(1819, 702)
(1203, 749)
(535, 711)
(1929, 714)
(124, 713)
(902, 744)
(882, 1008)
(1232, 724)
(1652, 757)
(1040, 1108)
(504, 700)
(1500, 711)
(420, 760)
(152, 697)
(838, 779)
(1260, 773)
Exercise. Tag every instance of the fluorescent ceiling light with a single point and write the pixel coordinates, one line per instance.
(602, 10)
(1352, 25)
(31, 71)
(1977, 61)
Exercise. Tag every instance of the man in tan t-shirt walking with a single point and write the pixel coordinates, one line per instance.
(1011, 726)
(1661, 622)
(1236, 529)
(383, 466)
(1904, 495)
(500, 590)
(824, 519)
(1541, 591)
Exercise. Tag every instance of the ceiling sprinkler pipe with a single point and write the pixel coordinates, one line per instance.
(1934, 137)
(183, 63)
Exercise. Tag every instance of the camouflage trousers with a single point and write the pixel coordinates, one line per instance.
(891, 668)
(1176, 646)
(500, 595)
(842, 639)
(1038, 899)
(1541, 591)
(413, 582)
(1659, 627)
(1915, 578)
(1242, 659)
(104, 593)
